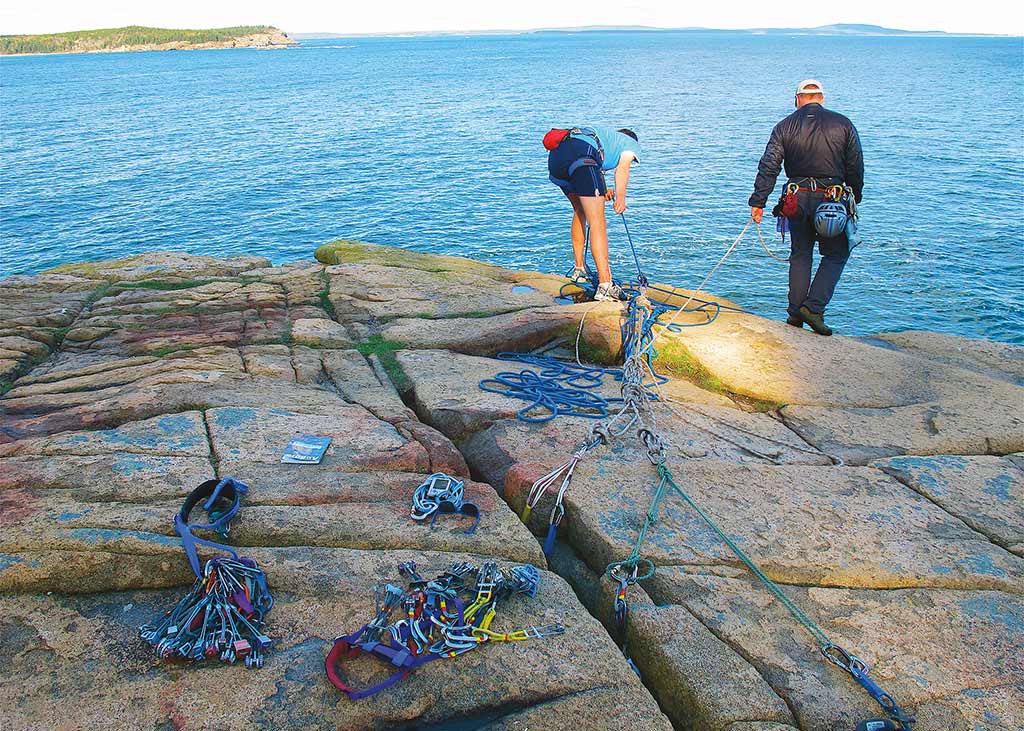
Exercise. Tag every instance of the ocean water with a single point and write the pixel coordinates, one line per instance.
(434, 144)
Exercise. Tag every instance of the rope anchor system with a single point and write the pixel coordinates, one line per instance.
(635, 413)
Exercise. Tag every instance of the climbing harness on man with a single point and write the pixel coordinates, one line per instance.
(434, 620)
(636, 413)
(223, 613)
(441, 493)
(835, 215)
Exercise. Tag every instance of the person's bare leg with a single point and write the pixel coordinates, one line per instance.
(579, 236)
(593, 211)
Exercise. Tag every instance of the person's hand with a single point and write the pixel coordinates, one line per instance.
(620, 204)
(609, 194)
(756, 214)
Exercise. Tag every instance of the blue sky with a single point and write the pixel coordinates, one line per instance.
(41, 16)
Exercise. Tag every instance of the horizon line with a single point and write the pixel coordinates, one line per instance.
(652, 28)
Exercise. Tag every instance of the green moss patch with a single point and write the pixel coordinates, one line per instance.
(357, 252)
(23, 367)
(675, 360)
(385, 352)
(377, 345)
(325, 296)
(168, 349)
(164, 285)
(394, 370)
(591, 351)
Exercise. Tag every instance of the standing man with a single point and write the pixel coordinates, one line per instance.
(820, 148)
(577, 166)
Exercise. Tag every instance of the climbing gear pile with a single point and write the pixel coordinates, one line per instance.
(441, 493)
(435, 621)
(223, 613)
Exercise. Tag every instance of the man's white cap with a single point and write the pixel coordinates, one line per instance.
(810, 86)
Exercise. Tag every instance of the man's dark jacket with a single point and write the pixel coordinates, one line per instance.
(815, 143)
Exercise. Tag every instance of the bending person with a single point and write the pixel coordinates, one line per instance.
(821, 149)
(577, 166)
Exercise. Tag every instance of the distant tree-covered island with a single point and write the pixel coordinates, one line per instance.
(140, 38)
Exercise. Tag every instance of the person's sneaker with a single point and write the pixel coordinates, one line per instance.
(608, 292)
(816, 321)
(579, 276)
(795, 321)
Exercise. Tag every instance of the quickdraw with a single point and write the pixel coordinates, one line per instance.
(223, 613)
(436, 622)
(441, 493)
(564, 472)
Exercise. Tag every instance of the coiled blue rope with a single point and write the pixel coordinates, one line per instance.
(559, 387)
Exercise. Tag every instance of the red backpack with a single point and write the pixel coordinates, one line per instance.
(555, 137)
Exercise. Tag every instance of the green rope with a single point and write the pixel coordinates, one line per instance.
(634, 559)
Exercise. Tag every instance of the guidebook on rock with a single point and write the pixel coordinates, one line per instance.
(305, 449)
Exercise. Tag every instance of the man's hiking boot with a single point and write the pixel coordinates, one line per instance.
(816, 321)
(579, 276)
(608, 292)
(795, 321)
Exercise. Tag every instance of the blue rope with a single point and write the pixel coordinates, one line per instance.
(547, 395)
(639, 273)
(556, 387)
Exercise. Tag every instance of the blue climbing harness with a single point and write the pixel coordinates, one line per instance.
(586, 160)
(223, 613)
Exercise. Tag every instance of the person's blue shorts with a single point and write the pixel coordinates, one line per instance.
(575, 167)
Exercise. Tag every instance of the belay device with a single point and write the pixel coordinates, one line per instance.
(434, 621)
(222, 615)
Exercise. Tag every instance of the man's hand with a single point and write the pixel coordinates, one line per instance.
(756, 214)
(609, 194)
(620, 204)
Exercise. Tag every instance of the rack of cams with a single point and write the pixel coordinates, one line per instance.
(434, 620)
